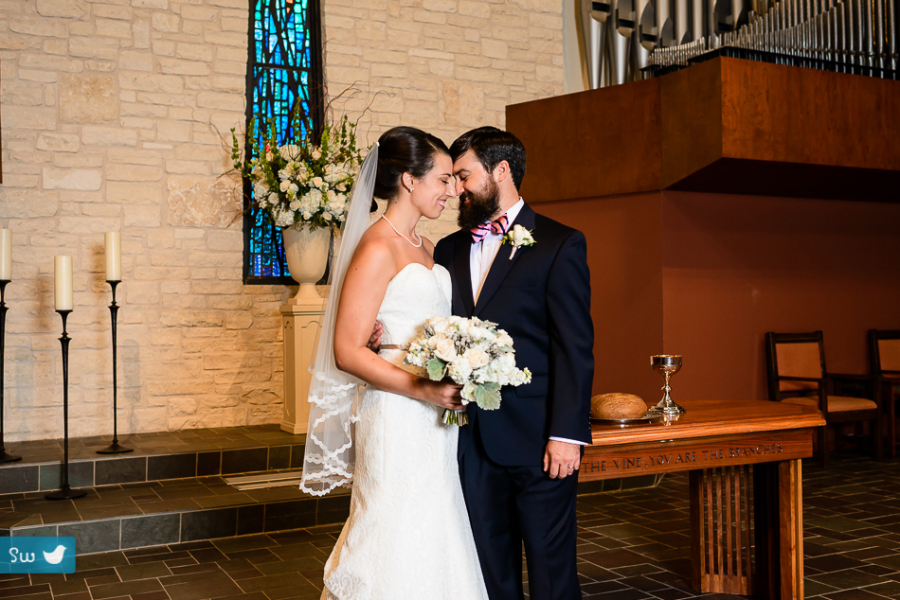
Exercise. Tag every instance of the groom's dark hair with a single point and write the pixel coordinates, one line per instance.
(492, 146)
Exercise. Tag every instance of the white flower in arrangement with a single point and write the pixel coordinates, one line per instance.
(337, 206)
(472, 353)
(304, 180)
(504, 340)
(477, 357)
(459, 369)
(477, 333)
(518, 237)
(438, 324)
(445, 349)
(314, 197)
(291, 152)
(284, 218)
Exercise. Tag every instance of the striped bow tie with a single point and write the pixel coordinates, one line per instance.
(500, 227)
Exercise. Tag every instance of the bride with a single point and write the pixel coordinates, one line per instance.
(408, 534)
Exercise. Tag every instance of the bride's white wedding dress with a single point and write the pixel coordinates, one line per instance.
(408, 536)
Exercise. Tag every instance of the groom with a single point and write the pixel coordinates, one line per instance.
(519, 464)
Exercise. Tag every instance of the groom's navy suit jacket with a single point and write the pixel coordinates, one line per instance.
(542, 298)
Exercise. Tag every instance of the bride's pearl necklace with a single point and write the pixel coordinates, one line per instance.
(419, 245)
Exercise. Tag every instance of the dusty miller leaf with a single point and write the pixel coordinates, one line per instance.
(436, 369)
(487, 396)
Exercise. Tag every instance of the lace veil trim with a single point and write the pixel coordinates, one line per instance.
(329, 458)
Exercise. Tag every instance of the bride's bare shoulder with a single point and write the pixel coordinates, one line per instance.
(376, 250)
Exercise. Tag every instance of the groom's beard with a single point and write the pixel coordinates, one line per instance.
(478, 207)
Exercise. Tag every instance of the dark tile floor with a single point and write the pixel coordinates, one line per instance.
(632, 546)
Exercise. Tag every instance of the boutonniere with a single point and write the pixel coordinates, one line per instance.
(518, 236)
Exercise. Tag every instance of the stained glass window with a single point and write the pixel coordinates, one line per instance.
(284, 75)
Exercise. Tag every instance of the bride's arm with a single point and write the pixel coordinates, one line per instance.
(365, 285)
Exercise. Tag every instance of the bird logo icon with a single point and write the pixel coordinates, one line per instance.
(55, 557)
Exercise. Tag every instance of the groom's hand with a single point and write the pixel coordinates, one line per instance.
(561, 459)
(375, 339)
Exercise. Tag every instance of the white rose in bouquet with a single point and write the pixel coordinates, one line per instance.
(445, 349)
(477, 357)
(438, 325)
(504, 340)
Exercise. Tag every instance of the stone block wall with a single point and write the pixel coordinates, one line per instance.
(445, 66)
(114, 118)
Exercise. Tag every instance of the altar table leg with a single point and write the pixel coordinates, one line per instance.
(720, 530)
(778, 504)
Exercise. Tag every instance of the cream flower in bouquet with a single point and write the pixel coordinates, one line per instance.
(304, 181)
(472, 353)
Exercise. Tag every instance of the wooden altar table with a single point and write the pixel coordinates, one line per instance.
(743, 458)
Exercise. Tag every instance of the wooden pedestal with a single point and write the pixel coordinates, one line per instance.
(301, 320)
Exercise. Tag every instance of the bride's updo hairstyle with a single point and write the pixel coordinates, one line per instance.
(404, 150)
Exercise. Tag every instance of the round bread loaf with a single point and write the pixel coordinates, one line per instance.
(617, 406)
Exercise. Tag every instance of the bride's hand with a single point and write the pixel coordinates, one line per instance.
(445, 395)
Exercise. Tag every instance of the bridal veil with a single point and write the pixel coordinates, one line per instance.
(329, 459)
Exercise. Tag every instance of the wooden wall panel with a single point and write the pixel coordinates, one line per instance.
(590, 144)
(624, 249)
(691, 118)
(723, 126)
(793, 115)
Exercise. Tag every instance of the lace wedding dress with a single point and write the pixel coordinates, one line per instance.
(408, 536)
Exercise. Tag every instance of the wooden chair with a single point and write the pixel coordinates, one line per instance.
(797, 375)
(884, 356)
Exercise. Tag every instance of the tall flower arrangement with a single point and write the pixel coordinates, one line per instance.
(303, 182)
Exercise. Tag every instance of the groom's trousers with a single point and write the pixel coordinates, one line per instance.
(511, 505)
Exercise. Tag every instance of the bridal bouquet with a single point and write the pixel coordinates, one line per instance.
(303, 182)
(472, 353)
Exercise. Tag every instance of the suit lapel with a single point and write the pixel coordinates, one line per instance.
(462, 249)
(502, 263)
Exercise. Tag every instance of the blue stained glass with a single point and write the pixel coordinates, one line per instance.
(284, 67)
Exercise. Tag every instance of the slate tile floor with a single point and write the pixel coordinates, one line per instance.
(633, 545)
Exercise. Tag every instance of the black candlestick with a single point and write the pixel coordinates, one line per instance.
(65, 493)
(114, 448)
(4, 457)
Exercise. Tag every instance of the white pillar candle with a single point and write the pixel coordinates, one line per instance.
(113, 256)
(62, 279)
(5, 254)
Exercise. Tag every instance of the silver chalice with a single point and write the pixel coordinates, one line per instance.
(667, 365)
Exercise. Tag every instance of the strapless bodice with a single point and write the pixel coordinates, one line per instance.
(413, 295)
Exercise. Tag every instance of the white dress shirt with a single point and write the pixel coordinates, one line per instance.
(482, 256)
